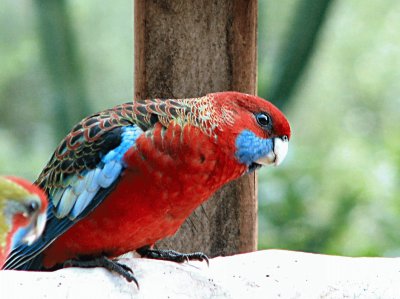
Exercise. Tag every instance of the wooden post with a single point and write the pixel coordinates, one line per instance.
(188, 48)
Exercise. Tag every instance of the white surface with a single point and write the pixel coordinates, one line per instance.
(263, 274)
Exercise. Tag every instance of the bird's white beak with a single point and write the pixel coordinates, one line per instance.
(278, 154)
(36, 228)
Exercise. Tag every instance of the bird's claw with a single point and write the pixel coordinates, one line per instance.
(125, 267)
(106, 263)
(172, 255)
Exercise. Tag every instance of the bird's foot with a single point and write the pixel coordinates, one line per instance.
(172, 255)
(106, 263)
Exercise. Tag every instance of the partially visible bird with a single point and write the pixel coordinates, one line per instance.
(22, 214)
(129, 176)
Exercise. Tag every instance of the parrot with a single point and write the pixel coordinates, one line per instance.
(129, 176)
(23, 209)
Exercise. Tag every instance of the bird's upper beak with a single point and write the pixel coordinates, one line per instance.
(278, 154)
(35, 228)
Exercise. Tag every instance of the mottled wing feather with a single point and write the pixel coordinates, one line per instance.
(85, 145)
(148, 112)
(82, 149)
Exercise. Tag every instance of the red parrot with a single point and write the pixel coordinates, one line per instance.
(126, 177)
(22, 214)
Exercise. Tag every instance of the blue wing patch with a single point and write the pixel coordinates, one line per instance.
(73, 200)
(68, 205)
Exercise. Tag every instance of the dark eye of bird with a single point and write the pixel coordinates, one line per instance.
(32, 207)
(264, 120)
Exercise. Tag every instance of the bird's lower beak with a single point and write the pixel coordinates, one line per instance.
(278, 154)
(36, 229)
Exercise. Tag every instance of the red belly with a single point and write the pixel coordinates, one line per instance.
(128, 219)
(152, 199)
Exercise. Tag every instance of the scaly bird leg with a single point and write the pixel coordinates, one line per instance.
(171, 255)
(106, 263)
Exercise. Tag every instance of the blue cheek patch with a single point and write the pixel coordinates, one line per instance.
(250, 147)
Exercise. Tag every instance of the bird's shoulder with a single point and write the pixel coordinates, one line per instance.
(85, 145)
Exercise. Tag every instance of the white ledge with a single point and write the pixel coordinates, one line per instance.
(263, 274)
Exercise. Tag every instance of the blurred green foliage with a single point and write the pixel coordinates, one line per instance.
(101, 41)
(338, 190)
(62, 60)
